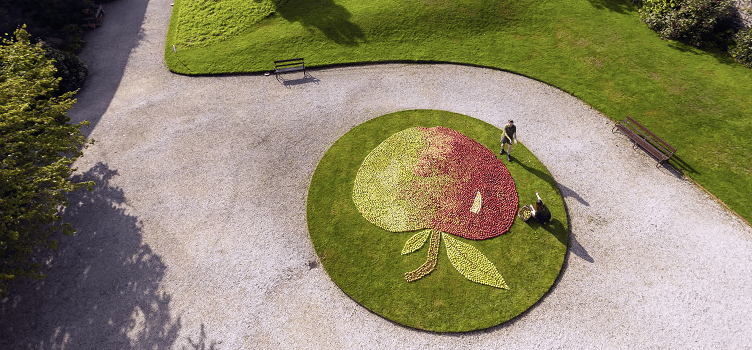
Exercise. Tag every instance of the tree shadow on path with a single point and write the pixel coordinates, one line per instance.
(106, 53)
(200, 344)
(103, 284)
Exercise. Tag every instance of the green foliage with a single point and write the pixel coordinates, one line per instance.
(696, 22)
(742, 49)
(73, 41)
(659, 6)
(37, 148)
(44, 17)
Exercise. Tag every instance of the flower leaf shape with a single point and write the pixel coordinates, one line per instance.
(416, 242)
(471, 263)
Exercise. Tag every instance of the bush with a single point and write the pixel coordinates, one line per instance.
(70, 69)
(742, 49)
(696, 22)
(659, 6)
(73, 41)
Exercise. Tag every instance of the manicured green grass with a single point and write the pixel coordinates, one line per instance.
(210, 22)
(364, 260)
(597, 50)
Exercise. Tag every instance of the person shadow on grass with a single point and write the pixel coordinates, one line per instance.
(541, 217)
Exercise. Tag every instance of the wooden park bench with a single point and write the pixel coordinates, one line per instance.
(93, 17)
(287, 66)
(640, 135)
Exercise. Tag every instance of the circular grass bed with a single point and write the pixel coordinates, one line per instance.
(365, 261)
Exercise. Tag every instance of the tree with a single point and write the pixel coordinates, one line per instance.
(38, 145)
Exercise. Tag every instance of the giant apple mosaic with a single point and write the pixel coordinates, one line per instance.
(441, 180)
(416, 223)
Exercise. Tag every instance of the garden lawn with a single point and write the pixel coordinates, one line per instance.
(365, 260)
(597, 50)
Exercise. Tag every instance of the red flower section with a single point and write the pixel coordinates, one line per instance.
(461, 168)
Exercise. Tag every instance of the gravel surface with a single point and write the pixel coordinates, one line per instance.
(744, 8)
(196, 236)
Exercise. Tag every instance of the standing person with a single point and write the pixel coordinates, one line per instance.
(508, 135)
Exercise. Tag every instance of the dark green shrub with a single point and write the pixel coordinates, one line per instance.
(69, 67)
(44, 18)
(58, 13)
(695, 22)
(742, 49)
(72, 41)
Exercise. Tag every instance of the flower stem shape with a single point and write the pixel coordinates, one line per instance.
(430, 264)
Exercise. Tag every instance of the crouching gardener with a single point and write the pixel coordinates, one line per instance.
(540, 211)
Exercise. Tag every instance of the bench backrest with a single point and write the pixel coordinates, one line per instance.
(650, 137)
(288, 62)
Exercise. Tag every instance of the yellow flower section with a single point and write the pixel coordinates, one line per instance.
(477, 203)
(377, 191)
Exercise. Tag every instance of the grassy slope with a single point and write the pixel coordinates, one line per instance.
(597, 50)
(364, 260)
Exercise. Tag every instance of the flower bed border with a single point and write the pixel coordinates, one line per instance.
(366, 262)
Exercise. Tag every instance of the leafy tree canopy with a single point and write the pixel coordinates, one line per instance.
(37, 148)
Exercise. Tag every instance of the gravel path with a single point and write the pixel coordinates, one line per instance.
(196, 238)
